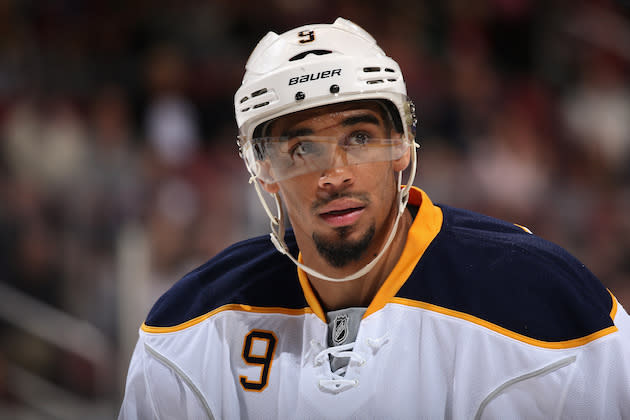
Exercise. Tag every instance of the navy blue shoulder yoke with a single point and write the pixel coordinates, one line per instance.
(251, 272)
(497, 272)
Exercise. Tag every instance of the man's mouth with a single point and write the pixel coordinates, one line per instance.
(342, 213)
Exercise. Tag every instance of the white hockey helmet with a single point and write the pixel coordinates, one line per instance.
(316, 65)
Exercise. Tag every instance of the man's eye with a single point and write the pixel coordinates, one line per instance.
(358, 139)
(303, 148)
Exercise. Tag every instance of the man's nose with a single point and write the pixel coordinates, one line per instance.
(336, 177)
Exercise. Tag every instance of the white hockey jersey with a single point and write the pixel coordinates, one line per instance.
(478, 320)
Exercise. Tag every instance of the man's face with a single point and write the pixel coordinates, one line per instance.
(343, 212)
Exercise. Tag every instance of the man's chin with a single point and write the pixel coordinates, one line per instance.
(340, 250)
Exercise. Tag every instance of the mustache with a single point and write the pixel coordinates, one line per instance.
(321, 202)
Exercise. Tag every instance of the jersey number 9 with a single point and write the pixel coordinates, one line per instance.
(252, 355)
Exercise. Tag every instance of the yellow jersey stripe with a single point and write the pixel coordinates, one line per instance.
(405, 302)
(309, 294)
(523, 227)
(613, 310)
(229, 307)
(424, 229)
(504, 331)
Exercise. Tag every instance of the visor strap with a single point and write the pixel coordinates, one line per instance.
(274, 221)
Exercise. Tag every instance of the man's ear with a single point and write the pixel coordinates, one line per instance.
(401, 163)
(271, 188)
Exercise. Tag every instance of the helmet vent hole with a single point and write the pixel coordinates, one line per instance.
(261, 104)
(371, 69)
(305, 53)
(390, 70)
(259, 92)
(243, 99)
(245, 109)
(373, 82)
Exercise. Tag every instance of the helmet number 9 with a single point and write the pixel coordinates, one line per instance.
(308, 36)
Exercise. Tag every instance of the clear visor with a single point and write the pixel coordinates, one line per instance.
(280, 158)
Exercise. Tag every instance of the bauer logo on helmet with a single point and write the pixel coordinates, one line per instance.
(314, 76)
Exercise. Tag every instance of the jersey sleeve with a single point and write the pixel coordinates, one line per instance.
(137, 402)
(155, 386)
(600, 385)
(589, 381)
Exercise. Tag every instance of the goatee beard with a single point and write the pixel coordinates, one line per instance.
(340, 252)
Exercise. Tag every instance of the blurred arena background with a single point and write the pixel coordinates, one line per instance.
(119, 171)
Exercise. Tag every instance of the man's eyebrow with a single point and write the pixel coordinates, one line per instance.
(363, 118)
(297, 133)
(355, 119)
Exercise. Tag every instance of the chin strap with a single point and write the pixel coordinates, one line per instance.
(277, 224)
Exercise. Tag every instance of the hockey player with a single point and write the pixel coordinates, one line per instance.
(376, 303)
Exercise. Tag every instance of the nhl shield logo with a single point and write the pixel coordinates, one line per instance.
(340, 329)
